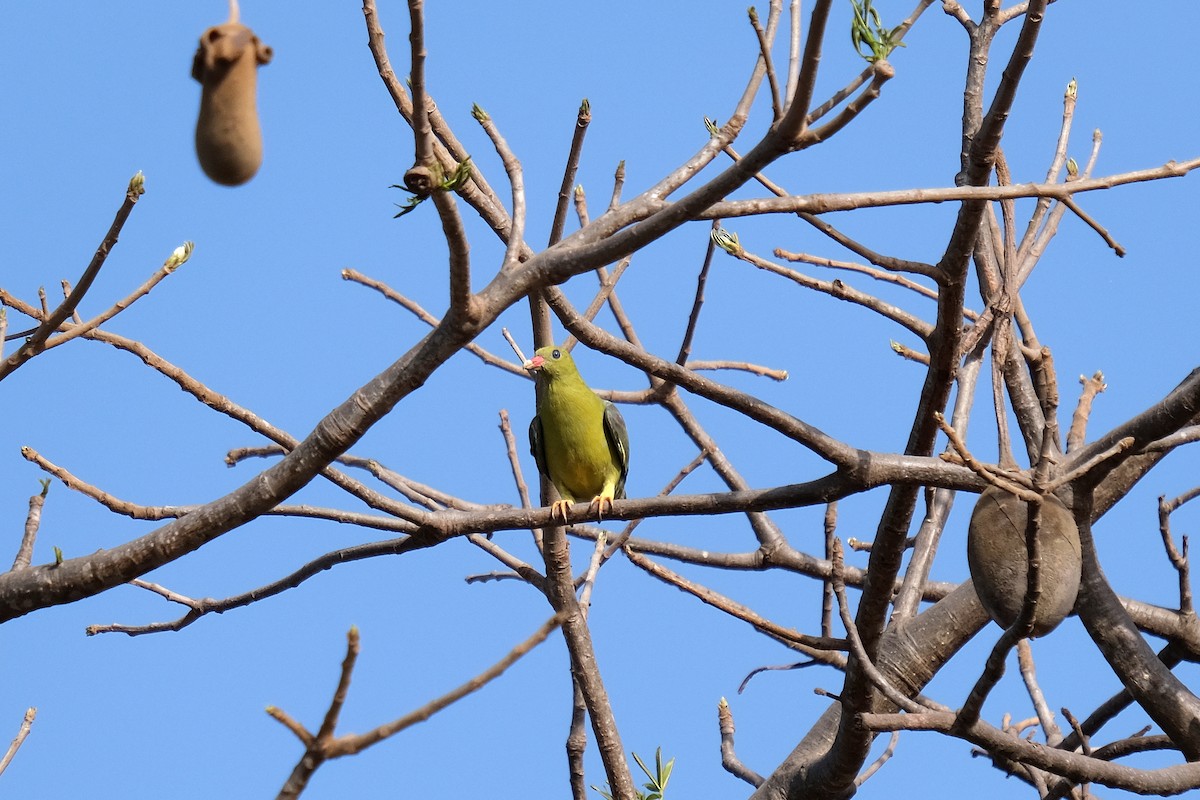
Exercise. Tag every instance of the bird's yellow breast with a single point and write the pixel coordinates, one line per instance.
(578, 454)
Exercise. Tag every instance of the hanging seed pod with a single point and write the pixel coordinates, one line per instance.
(998, 558)
(228, 137)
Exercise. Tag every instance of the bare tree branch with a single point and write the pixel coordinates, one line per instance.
(19, 739)
(323, 746)
(36, 341)
(1078, 768)
(729, 759)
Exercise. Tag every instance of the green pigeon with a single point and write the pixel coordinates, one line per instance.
(578, 440)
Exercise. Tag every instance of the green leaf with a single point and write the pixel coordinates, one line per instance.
(727, 241)
(179, 256)
(462, 174)
(664, 774)
(408, 204)
(645, 769)
(137, 184)
(871, 40)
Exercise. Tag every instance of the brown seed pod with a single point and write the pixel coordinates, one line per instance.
(997, 556)
(228, 137)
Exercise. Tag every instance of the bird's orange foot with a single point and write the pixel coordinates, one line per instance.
(559, 509)
(597, 505)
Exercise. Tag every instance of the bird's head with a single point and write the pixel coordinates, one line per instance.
(550, 362)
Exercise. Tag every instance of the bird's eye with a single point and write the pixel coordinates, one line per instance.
(556, 354)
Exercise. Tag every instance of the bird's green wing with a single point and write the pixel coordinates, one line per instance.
(618, 442)
(536, 446)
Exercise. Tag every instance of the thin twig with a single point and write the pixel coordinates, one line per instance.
(583, 118)
(1092, 386)
(689, 333)
(604, 294)
(827, 594)
(1011, 482)
(19, 739)
(510, 445)
(719, 601)
(422, 133)
(1075, 766)
(581, 211)
(878, 259)
(938, 504)
(841, 94)
(812, 662)
(887, 276)
(1086, 465)
(519, 569)
(1058, 159)
(878, 763)
(826, 203)
(511, 448)
(881, 73)
(345, 555)
(1070, 203)
(156, 513)
(589, 578)
(840, 291)
(411, 305)
(330, 720)
(33, 521)
(516, 178)
(177, 258)
(800, 102)
(1002, 340)
(837, 579)
(1029, 675)
(323, 746)
(764, 50)
(908, 354)
(1186, 435)
(729, 760)
(618, 185)
(224, 405)
(1178, 557)
(744, 366)
(50, 321)
(1085, 744)
(1008, 212)
(516, 347)
(1033, 246)
(796, 26)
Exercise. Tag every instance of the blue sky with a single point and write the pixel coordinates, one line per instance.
(95, 92)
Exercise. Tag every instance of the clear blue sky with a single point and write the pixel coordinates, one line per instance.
(94, 92)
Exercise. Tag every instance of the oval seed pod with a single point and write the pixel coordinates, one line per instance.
(997, 556)
(228, 137)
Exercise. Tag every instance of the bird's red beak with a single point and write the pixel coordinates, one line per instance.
(534, 364)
